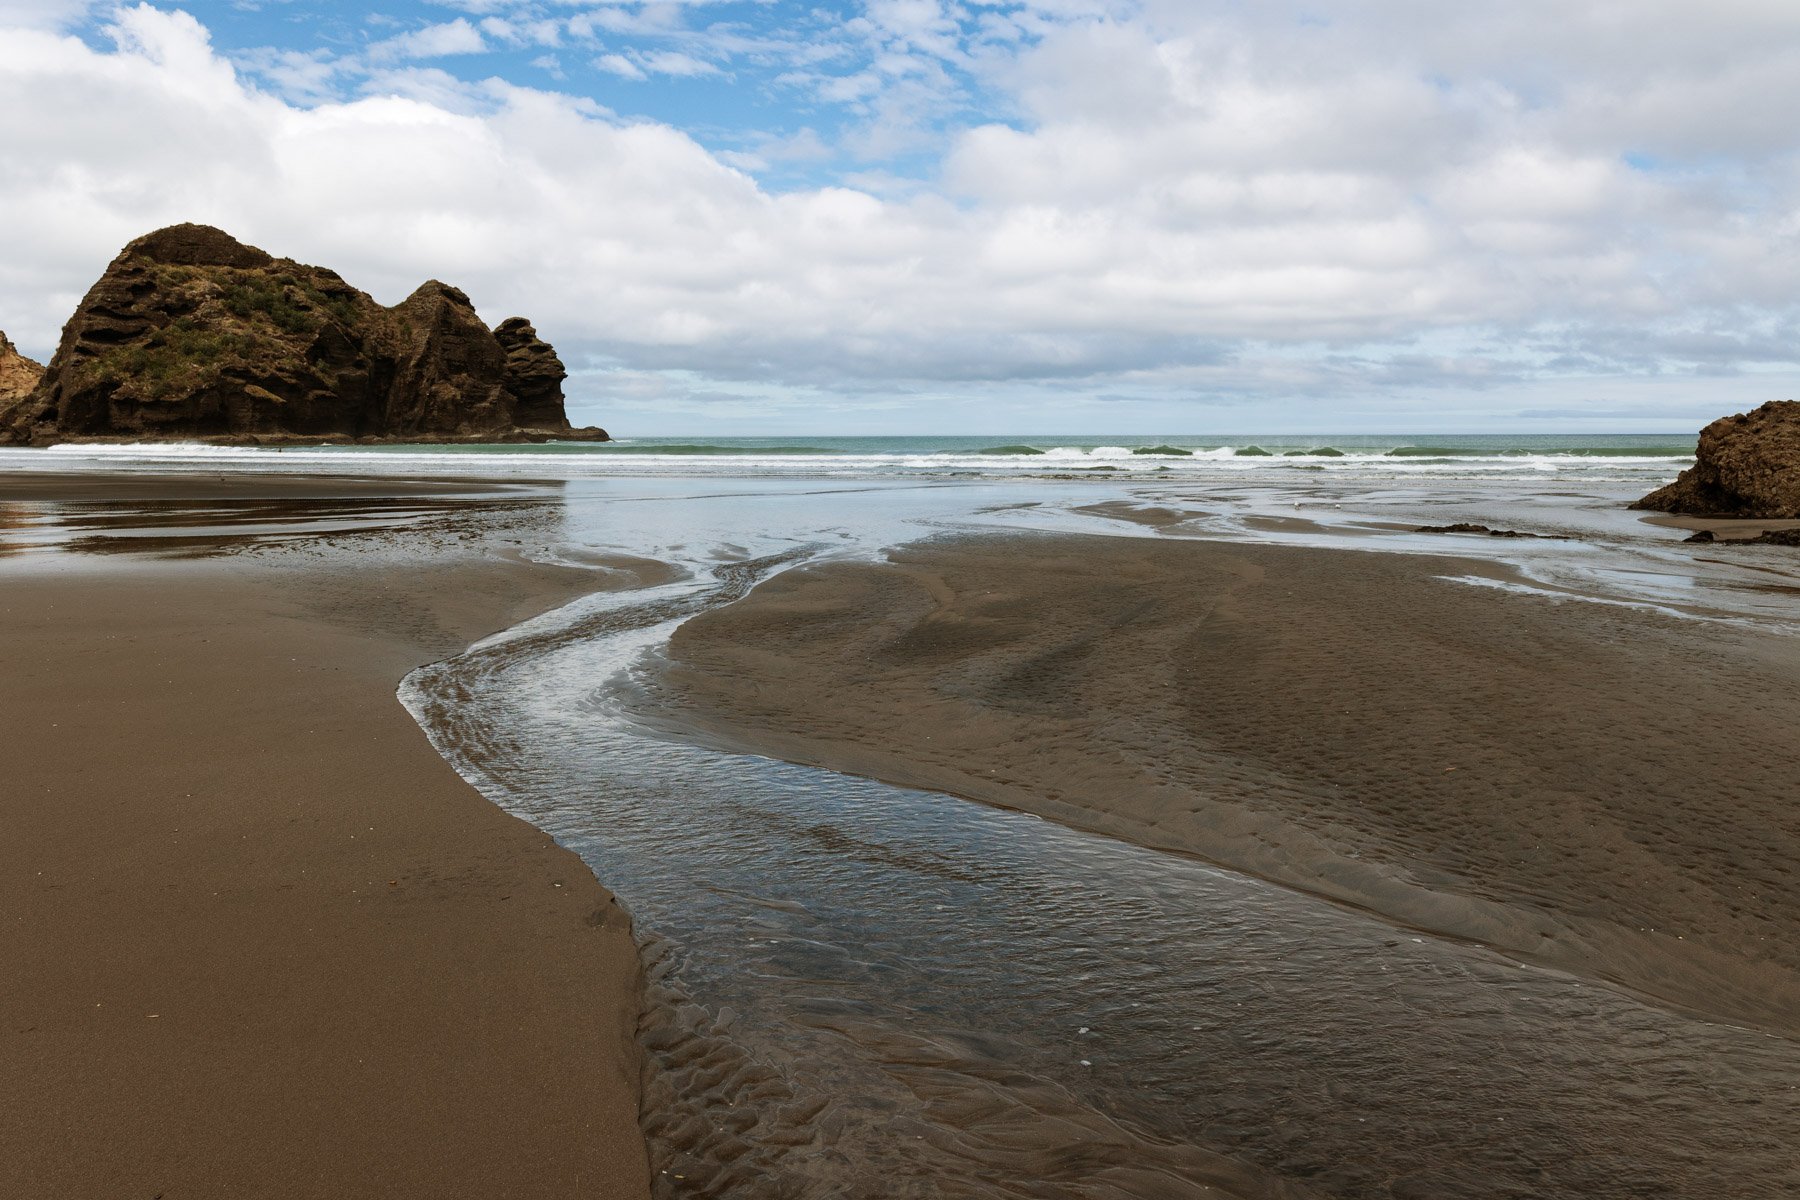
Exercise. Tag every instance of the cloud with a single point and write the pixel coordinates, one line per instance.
(802, 146)
(618, 64)
(1167, 204)
(643, 19)
(431, 41)
(671, 62)
(43, 14)
(640, 65)
(527, 32)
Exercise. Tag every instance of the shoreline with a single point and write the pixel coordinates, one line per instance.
(265, 940)
(88, 486)
(1591, 788)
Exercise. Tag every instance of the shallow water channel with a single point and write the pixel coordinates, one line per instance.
(862, 990)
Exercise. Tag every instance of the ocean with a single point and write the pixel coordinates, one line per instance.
(1596, 457)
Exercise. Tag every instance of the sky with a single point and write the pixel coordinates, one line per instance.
(742, 217)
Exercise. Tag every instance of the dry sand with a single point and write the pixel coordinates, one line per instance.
(1598, 788)
(260, 939)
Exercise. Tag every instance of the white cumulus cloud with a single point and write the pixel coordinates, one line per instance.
(431, 41)
(1374, 203)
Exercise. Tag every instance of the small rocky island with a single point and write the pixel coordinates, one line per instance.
(191, 335)
(1746, 465)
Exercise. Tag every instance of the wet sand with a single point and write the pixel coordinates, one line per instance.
(1725, 529)
(260, 939)
(1596, 788)
(87, 486)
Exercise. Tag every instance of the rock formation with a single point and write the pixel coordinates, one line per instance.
(18, 375)
(1745, 466)
(1768, 537)
(1465, 527)
(191, 334)
(534, 374)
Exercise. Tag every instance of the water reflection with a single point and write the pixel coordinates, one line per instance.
(15, 525)
(182, 528)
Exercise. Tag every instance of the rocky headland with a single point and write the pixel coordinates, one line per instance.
(190, 334)
(1746, 466)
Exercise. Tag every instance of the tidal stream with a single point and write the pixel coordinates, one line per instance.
(869, 991)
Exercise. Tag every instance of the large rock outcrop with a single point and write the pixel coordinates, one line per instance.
(191, 334)
(534, 374)
(19, 376)
(1746, 466)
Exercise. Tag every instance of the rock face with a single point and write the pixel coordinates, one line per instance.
(1746, 466)
(18, 375)
(1768, 537)
(191, 334)
(534, 374)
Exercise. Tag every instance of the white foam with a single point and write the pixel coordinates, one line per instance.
(578, 460)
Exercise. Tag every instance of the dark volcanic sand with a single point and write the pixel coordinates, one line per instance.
(260, 940)
(1600, 788)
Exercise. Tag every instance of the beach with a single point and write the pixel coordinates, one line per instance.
(900, 600)
(261, 940)
(1089, 839)
(1599, 788)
